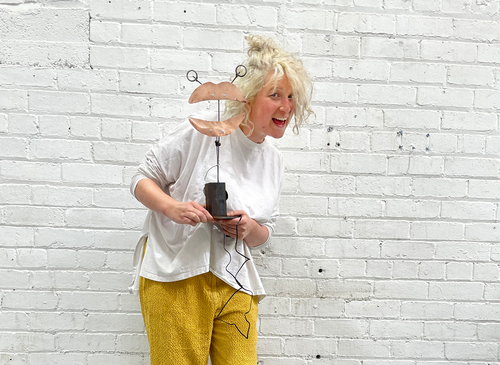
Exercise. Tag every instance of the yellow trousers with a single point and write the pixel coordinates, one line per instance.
(188, 320)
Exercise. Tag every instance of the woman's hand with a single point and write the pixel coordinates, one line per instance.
(249, 230)
(188, 213)
(149, 194)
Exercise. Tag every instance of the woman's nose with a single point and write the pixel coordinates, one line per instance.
(286, 105)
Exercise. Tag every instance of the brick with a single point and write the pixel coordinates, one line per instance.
(122, 57)
(468, 210)
(409, 72)
(477, 311)
(323, 227)
(123, 322)
(487, 99)
(444, 97)
(145, 131)
(467, 350)
(437, 230)
(382, 185)
(33, 216)
(15, 76)
(45, 54)
(395, 329)
(387, 94)
(104, 218)
(415, 165)
(59, 102)
(92, 173)
(437, 187)
(459, 271)
(412, 208)
(120, 105)
(461, 75)
(119, 152)
(426, 5)
(427, 310)
(486, 272)
(355, 207)
(186, 12)
(307, 18)
(445, 330)
(92, 80)
(328, 44)
(400, 289)
(54, 149)
(448, 51)
(351, 248)
(341, 328)
(62, 196)
(358, 163)
(30, 300)
(381, 229)
(127, 9)
(489, 332)
(418, 349)
(390, 47)
(54, 126)
(151, 35)
(333, 92)
(488, 53)
(26, 342)
(48, 27)
(88, 301)
(482, 232)
(260, 16)
(477, 167)
(306, 346)
(13, 147)
(355, 117)
(287, 327)
(373, 309)
(15, 194)
(148, 83)
(296, 287)
(86, 341)
(367, 23)
(431, 270)
(296, 247)
(326, 184)
(104, 32)
(424, 26)
(13, 100)
(364, 347)
(477, 30)
(179, 60)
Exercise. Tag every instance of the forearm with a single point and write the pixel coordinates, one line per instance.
(152, 197)
(257, 236)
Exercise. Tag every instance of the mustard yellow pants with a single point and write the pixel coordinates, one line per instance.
(188, 320)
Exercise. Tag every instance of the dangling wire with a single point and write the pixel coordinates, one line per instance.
(241, 287)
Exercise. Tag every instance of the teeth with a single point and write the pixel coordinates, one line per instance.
(281, 119)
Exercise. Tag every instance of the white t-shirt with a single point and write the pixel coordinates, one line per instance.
(181, 163)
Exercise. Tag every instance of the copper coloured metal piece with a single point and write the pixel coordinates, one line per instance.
(211, 91)
(217, 129)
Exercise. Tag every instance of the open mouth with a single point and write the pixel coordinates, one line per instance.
(279, 122)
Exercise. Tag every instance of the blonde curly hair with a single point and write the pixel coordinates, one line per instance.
(264, 58)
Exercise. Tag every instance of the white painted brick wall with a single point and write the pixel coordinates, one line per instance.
(387, 251)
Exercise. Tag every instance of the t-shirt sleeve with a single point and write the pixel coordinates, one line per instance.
(162, 164)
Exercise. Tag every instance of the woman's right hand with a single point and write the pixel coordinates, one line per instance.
(188, 213)
(150, 194)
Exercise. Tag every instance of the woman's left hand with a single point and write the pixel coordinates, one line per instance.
(245, 224)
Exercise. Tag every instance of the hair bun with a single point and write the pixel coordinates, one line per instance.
(258, 44)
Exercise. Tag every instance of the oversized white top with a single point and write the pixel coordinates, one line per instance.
(180, 164)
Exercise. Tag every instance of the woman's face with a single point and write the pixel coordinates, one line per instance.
(272, 110)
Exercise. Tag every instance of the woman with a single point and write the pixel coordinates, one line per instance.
(198, 286)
